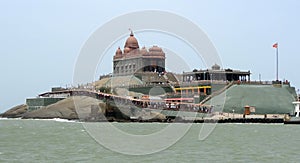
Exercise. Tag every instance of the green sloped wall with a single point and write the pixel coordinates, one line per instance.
(267, 99)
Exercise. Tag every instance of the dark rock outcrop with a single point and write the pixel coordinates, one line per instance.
(83, 108)
(73, 108)
(15, 112)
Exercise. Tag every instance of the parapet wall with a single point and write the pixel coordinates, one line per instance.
(36, 103)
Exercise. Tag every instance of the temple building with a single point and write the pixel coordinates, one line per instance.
(132, 61)
(135, 60)
(216, 73)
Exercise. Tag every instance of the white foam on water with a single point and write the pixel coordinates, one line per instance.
(4, 118)
(53, 119)
(56, 120)
(63, 120)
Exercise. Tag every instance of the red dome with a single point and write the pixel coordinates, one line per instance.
(119, 51)
(144, 50)
(131, 42)
(126, 50)
(155, 48)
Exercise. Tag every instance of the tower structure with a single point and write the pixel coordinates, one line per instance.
(133, 59)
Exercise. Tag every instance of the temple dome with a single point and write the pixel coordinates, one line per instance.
(119, 51)
(215, 67)
(155, 49)
(126, 50)
(131, 42)
(144, 50)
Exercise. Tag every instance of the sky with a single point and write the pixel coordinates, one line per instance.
(41, 40)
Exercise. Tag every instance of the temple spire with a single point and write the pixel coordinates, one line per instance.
(131, 33)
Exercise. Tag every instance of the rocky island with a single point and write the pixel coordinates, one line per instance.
(140, 89)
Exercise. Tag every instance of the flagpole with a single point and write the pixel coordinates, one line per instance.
(277, 62)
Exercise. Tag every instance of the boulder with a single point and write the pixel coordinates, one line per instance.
(72, 108)
(15, 112)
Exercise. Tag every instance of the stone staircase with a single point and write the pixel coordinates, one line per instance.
(217, 93)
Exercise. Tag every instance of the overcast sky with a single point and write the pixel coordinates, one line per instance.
(41, 40)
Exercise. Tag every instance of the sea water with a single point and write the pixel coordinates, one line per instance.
(69, 141)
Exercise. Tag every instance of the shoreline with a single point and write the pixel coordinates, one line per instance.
(178, 120)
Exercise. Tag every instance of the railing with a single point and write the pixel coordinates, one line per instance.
(261, 82)
(217, 93)
(137, 102)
